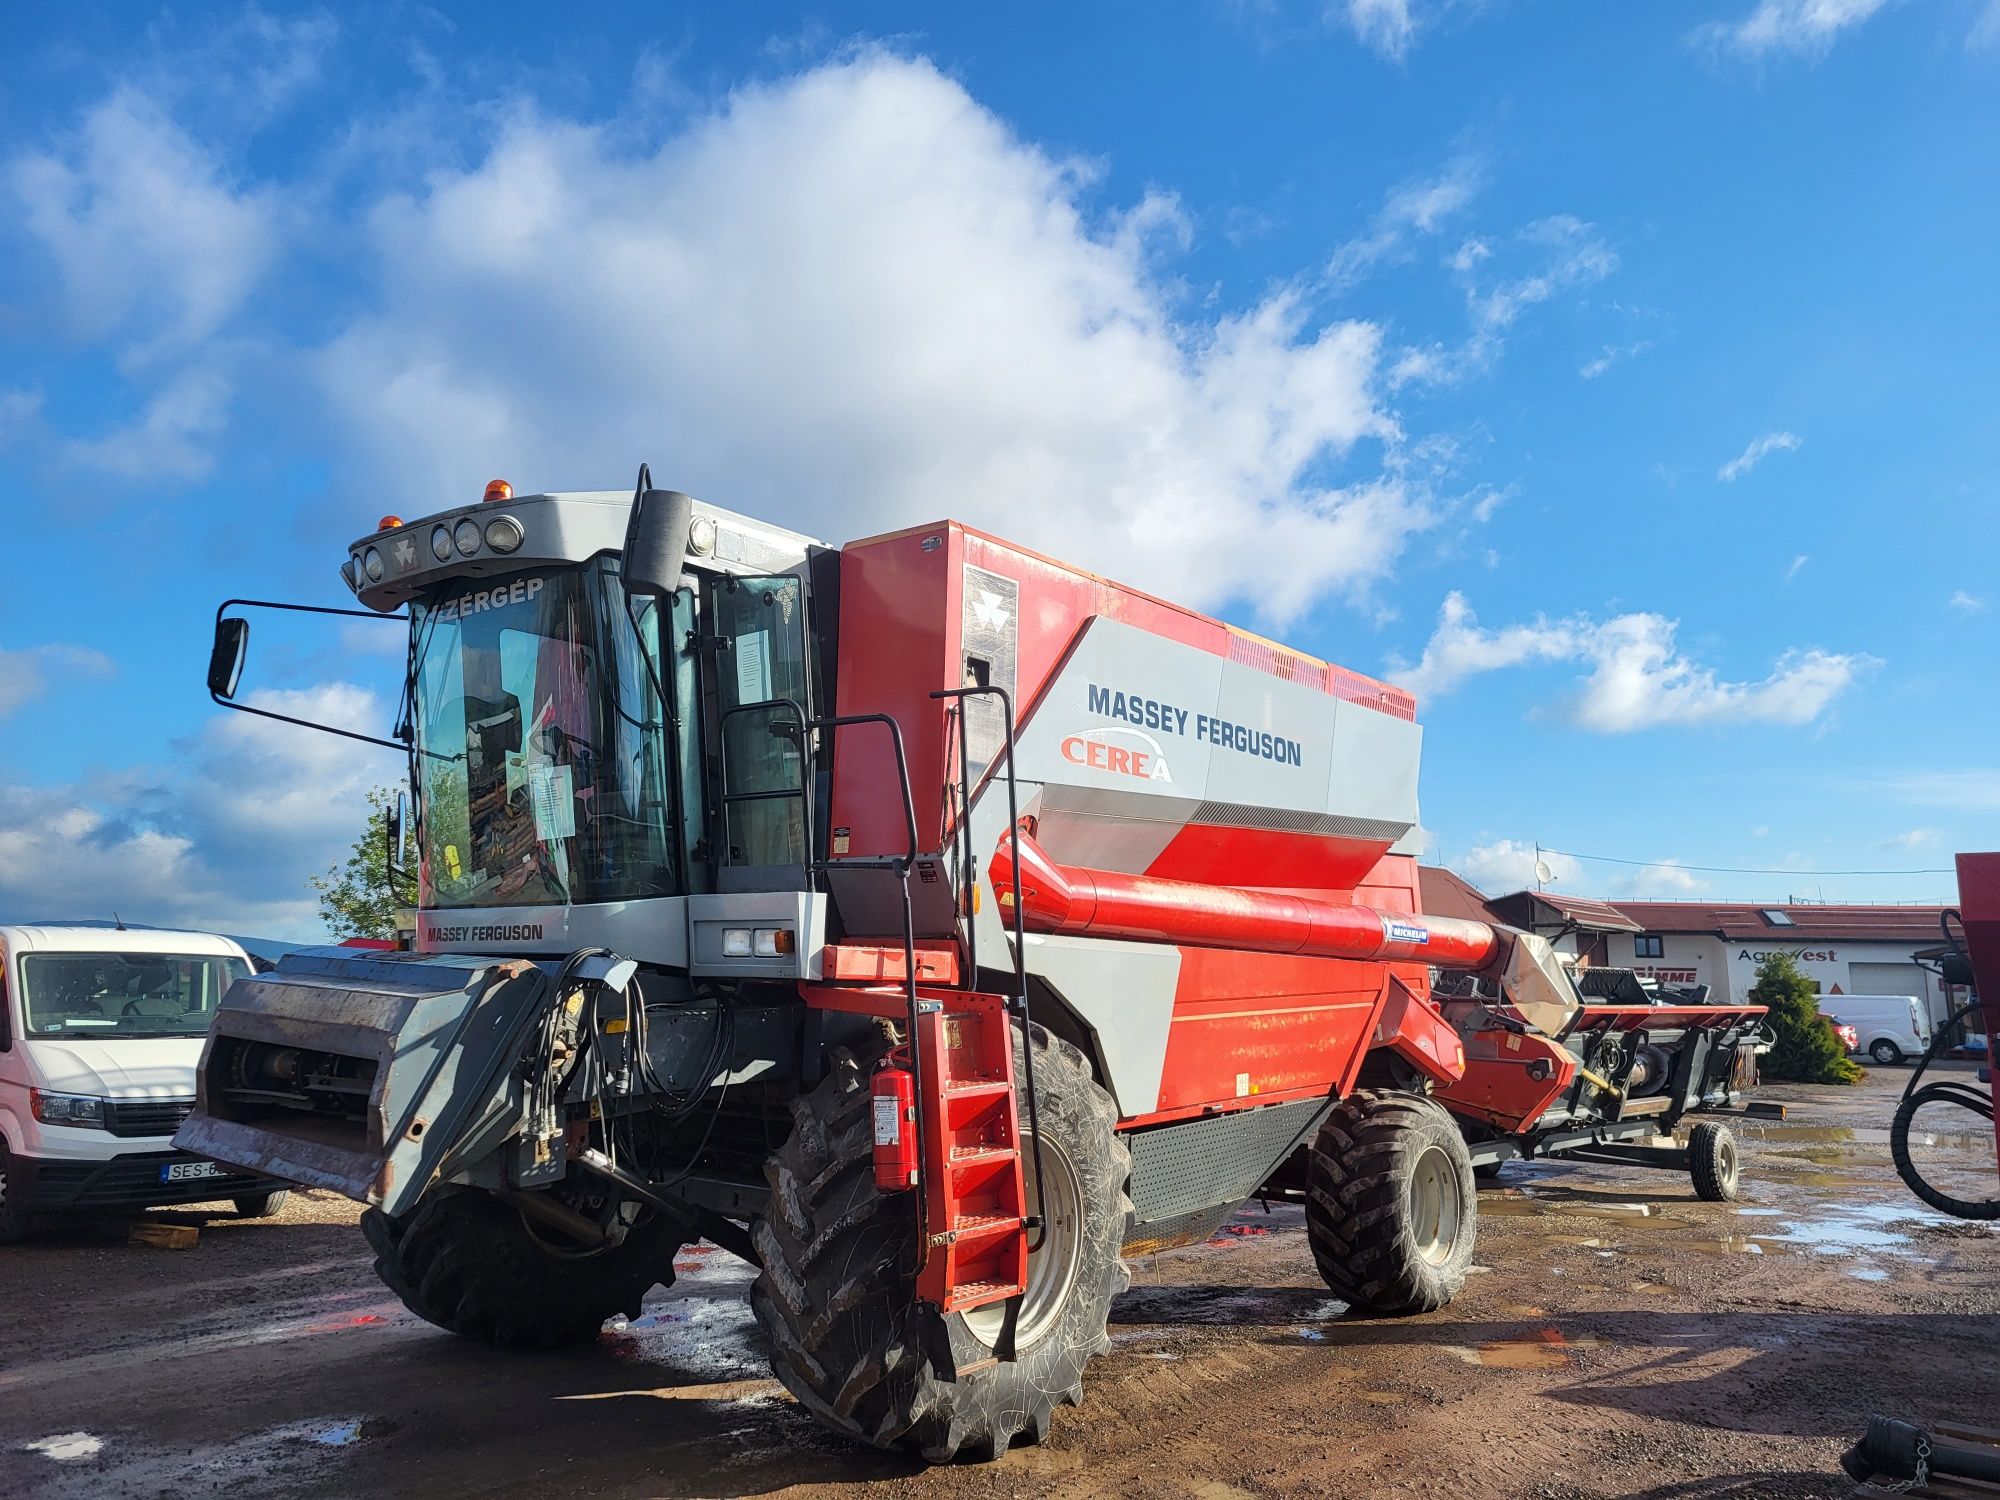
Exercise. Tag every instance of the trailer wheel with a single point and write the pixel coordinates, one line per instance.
(261, 1205)
(466, 1261)
(1487, 1171)
(837, 1294)
(1391, 1210)
(1713, 1162)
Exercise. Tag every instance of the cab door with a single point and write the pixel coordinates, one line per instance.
(760, 684)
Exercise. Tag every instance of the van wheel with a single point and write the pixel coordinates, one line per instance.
(1885, 1052)
(13, 1216)
(261, 1205)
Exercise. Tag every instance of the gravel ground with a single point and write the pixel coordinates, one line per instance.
(1620, 1338)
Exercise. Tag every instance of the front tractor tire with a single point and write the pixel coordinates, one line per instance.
(468, 1262)
(837, 1294)
(1391, 1207)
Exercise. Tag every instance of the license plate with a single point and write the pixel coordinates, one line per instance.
(182, 1171)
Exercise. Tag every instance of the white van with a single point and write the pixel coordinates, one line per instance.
(100, 1031)
(1890, 1027)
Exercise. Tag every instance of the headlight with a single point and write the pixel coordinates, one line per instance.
(441, 543)
(466, 535)
(504, 535)
(735, 942)
(770, 942)
(371, 564)
(67, 1109)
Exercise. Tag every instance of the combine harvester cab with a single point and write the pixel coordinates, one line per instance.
(928, 922)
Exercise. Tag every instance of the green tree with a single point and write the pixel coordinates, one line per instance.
(1807, 1050)
(357, 898)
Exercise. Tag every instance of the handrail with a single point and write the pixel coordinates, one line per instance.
(1018, 1002)
(901, 865)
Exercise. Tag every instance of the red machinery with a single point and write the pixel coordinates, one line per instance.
(927, 921)
(1975, 963)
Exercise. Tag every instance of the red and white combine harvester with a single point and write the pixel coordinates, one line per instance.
(926, 921)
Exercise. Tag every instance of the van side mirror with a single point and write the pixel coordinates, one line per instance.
(656, 542)
(226, 656)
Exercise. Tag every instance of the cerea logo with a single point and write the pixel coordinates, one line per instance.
(1122, 752)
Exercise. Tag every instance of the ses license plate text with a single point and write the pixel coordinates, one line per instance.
(181, 1171)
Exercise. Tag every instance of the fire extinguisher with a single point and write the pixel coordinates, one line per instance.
(895, 1100)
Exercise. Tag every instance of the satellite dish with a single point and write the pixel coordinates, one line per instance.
(1542, 871)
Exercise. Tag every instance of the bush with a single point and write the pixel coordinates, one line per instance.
(1807, 1050)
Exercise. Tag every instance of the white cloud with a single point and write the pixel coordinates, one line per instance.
(1663, 881)
(1797, 563)
(1986, 30)
(1385, 25)
(1965, 603)
(222, 840)
(1576, 257)
(1967, 791)
(1506, 865)
(1635, 677)
(1804, 27)
(1760, 449)
(1565, 252)
(848, 299)
(1610, 355)
(150, 238)
(1911, 841)
(1421, 206)
(25, 673)
(170, 439)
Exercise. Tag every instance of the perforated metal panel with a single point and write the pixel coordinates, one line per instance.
(1180, 1170)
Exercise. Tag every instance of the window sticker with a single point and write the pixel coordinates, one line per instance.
(552, 796)
(753, 666)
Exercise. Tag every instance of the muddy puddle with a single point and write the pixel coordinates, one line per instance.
(1544, 1349)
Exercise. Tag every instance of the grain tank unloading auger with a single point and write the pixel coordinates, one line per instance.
(720, 935)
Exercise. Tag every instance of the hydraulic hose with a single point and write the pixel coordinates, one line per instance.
(1916, 1094)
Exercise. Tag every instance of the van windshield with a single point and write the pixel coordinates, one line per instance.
(123, 994)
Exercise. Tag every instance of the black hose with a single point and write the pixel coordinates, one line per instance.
(1944, 1091)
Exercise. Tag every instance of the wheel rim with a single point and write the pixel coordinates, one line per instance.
(1052, 1270)
(1725, 1158)
(1436, 1205)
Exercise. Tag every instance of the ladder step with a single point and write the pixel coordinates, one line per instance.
(978, 1088)
(970, 1227)
(980, 1156)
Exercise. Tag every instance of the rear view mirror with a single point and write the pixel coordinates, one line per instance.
(225, 658)
(656, 540)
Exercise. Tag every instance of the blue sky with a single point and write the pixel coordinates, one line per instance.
(1620, 377)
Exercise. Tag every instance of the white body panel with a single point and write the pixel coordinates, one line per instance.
(1894, 1018)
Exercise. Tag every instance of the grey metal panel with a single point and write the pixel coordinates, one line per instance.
(1125, 993)
(802, 911)
(1374, 767)
(1180, 1170)
(653, 931)
(564, 528)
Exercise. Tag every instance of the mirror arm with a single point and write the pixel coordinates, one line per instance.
(366, 739)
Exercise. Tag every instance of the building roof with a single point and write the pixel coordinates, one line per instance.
(1447, 894)
(1540, 910)
(1807, 923)
(1444, 893)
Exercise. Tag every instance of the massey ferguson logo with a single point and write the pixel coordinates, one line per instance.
(504, 932)
(1139, 756)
